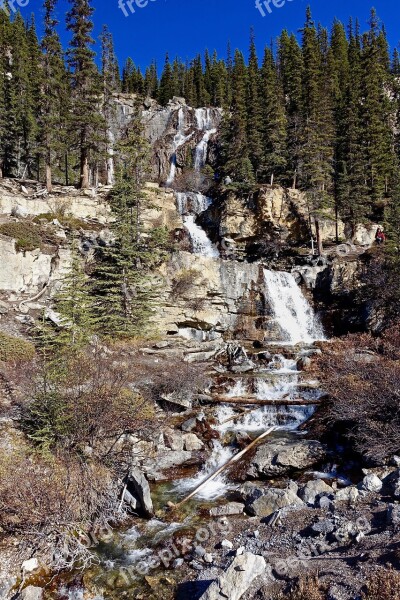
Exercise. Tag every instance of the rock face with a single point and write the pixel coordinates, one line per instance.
(282, 457)
(237, 579)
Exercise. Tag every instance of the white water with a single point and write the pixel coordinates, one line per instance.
(291, 310)
(179, 140)
(259, 419)
(201, 244)
(205, 123)
(218, 486)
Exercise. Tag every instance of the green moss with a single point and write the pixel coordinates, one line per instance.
(26, 235)
(12, 348)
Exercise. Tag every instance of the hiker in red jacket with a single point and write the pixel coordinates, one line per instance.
(380, 237)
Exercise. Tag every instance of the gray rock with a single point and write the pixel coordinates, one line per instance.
(178, 562)
(348, 494)
(189, 425)
(4, 308)
(32, 593)
(392, 484)
(192, 442)
(282, 457)
(393, 516)
(324, 526)
(173, 440)
(265, 502)
(208, 558)
(237, 578)
(313, 489)
(226, 544)
(232, 508)
(141, 490)
(131, 500)
(371, 483)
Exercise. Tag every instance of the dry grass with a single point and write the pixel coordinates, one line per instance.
(383, 585)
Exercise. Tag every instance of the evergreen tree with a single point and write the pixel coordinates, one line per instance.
(85, 116)
(123, 289)
(54, 96)
(235, 142)
(274, 122)
(254, 115)
(111, 84)
(290, 65)
(151, 81)
(166, 89)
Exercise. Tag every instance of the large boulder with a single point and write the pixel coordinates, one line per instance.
(282, 457)
(314, 489)
(263, 502)
(138, 483)
(237, 579)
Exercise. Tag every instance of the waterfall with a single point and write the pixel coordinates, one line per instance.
(179, 140)
(215, 488)
(205, 124)
(201, 243)
(291, 310)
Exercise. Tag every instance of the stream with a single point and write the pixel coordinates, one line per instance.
(129, 558)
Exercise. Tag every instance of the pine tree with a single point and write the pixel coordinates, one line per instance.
(151, 81)
(6, 125)
(166, 89)
(274, 122)
(254, 116)
(235, 142)
(86, 119)
(123, 289)
(290, 66)
(316, 154)
(111, 84)
(54, 94)
(377, 112)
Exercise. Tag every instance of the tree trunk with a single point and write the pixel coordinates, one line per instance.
(319, 239)
(84, 183)
(49, 186)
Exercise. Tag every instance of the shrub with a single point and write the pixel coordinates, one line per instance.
(307, 588)
(47, 501)
(183, 282)
(383, 585)
(26, 235)
(15, 349)
(82, 401)
(362, 378)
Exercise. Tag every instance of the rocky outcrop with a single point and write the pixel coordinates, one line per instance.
(237, 578)
(141, 490)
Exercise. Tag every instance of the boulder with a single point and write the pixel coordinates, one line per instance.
(192, 442)
(141, 489)
(237, 579)
(232, 508)
(313, 489)
(29, 566)
(4, 308)
(173, 440)
(391, 484)
(371, 483)
(264, 502)
(393, 516)
(323, 527)
(282, 457)
(32, 593)
(348, 494)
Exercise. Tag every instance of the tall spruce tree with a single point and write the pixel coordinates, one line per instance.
(85, 118)
(54, 95)
(254, 114)
(274, 122)
(123, 289)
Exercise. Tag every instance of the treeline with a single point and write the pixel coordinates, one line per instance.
(320, 114)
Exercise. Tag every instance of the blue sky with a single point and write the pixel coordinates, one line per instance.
(186, 27)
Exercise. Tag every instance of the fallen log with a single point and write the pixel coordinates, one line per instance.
(230, 462)
(248, 401)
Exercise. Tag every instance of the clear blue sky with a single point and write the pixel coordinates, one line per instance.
(186, 27)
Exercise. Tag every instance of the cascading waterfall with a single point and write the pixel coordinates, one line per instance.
(204, 123)
(291, 310)
(179, 140)
(218, 486)
(190, 204)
